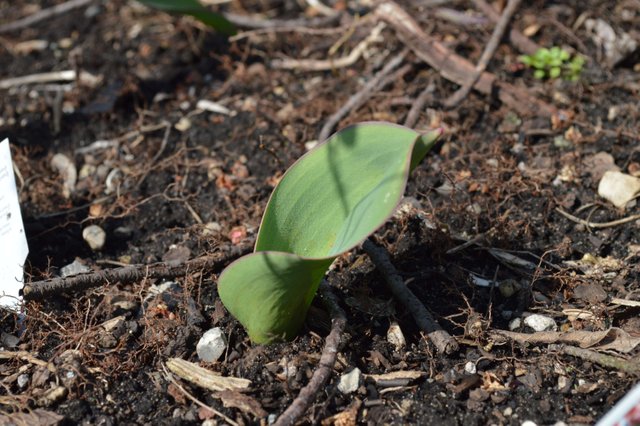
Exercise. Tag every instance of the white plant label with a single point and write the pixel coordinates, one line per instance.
(13, 241)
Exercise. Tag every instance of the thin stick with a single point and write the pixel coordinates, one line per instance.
(487, 54)
(418, 105)
(455, 68)
(626, 365)
(597, 225)
(519, 40)
(331, 64)
(440, 338)
(196, 400)
(320, 376)
(48, 77)
(361, 97)
(42, 15)
(39, 290)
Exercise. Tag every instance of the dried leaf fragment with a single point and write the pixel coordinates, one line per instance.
(37, 417)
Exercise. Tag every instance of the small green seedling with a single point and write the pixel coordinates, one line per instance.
(195, 9)
(554, 63)
(327, 203)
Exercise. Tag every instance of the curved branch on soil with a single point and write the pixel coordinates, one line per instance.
(331, 64)
(597, 225)
(42, 15)
(440, 338)
(38, 290)
(320, 376)
(626, 365)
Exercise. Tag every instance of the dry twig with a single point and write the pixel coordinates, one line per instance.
(486, 56)
(331, 64)
(418, 105)
(362, 96)
(320, 376)
(38, 290)
(196, 400)
(597, 225)
(455, 68)
(626, 365)
(49, 77)
(42, 15)
(440, 338)
(520, 41)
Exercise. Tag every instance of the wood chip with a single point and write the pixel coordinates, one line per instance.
(205, 378)
(244, 403)
(395, 378)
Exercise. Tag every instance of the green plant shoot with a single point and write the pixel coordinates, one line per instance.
(327, 203)
(554, 63)
(195, 9)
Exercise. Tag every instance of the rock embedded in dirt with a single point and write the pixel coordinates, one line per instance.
(211, 345)
(592, 293)
(618, 188)
(95, 237)
(540, 323)
(515, 324)
(349, 382)
(395, 336)
(9, 340)
(23, 381)
(211, 228)
(75, 267)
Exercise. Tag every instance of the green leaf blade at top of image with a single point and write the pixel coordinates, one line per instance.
(328, 202)
(195, 9)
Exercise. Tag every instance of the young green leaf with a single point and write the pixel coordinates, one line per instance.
(328, 202)
(195, 9)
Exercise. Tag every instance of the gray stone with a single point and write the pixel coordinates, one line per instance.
(94, 236)
(75, 267)
(349, 382)
(23, 381)
(540, 323)
(212, 345)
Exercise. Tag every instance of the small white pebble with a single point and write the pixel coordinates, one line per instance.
(515, 324)
(395, 336)
(470, 367)
(211, 345)
(94, 236)
(540, 323)
(349, 382)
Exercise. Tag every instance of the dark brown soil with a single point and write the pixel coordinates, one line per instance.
(494, 174)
